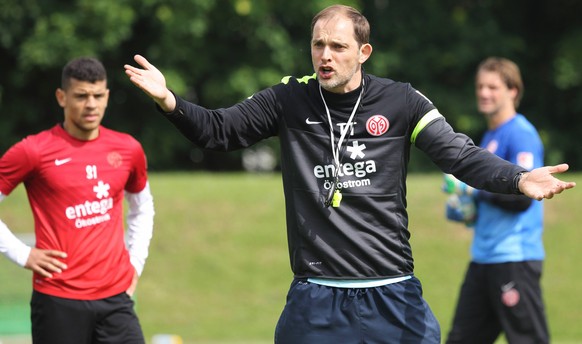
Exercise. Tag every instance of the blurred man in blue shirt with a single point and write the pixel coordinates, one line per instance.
(501, 291)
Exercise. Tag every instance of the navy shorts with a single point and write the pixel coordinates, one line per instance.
(394, 313)
(66, 321)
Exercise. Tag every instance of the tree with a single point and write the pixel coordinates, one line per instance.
(219, 52)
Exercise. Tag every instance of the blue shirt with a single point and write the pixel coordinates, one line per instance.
(509, 236)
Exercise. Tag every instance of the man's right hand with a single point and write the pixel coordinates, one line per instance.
(46, 262)
(152, 82)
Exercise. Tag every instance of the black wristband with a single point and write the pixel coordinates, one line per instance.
(515, 184)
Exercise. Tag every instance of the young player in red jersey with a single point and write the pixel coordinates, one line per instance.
(76, 175)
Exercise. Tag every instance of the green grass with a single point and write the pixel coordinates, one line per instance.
(218, 270)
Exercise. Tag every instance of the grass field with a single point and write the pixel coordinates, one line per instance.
(218, 270)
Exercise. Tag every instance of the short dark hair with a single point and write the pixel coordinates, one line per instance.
(83, 69)
(361, 25)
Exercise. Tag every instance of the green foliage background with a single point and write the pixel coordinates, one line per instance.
(217, 52)
(218, 269)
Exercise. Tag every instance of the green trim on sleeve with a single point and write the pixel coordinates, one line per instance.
(304, 79)
(424, 121)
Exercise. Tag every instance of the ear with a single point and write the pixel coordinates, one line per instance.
(61, 97)
(513, 92)
(365, 52)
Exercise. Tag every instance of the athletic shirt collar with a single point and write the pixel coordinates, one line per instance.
(342, 101)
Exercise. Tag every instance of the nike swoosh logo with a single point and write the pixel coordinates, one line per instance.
(311, 122)
(59, 162)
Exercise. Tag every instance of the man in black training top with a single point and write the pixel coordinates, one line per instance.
(345, 141)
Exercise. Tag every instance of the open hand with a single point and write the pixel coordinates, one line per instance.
(152, 82)
(540, 182)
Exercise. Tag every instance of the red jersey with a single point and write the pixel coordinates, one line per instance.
(76, 192)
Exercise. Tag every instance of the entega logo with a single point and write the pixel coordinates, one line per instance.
(98, 209)
(359, 169)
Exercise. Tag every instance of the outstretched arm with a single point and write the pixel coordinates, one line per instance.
(540, 182)
(152, 82)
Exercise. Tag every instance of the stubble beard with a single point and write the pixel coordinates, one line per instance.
(332, 84)
(337, 81)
